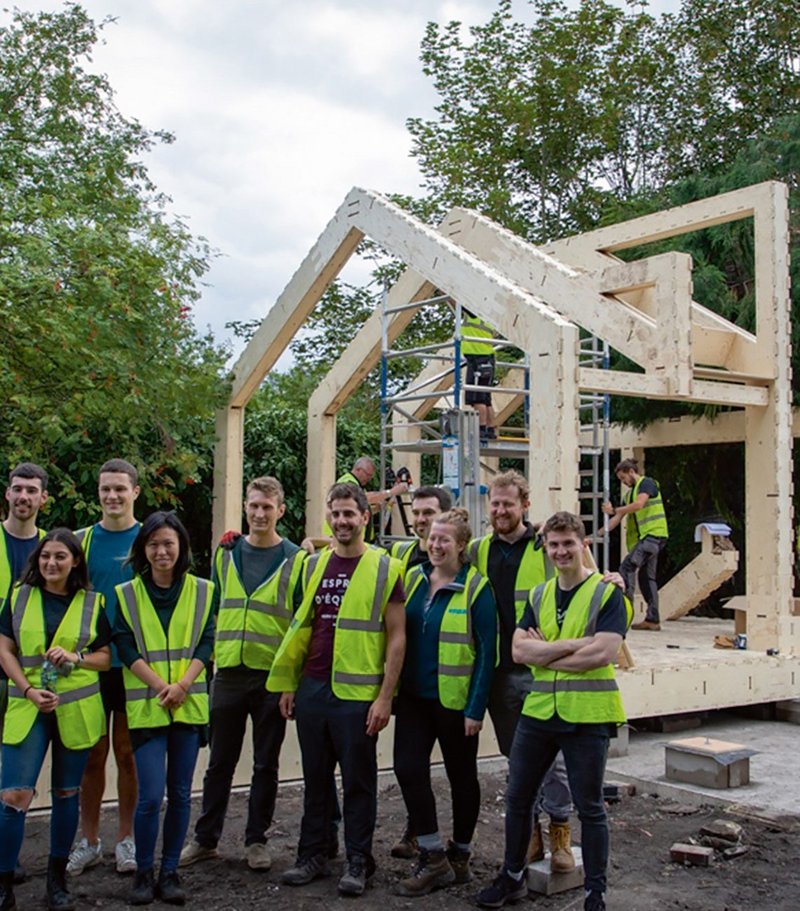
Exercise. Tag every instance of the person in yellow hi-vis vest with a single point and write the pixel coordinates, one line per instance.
(646, 536)
(337, 669)
(451, 644)
(478, 351)
(164, 633)
(255, 576)
(569, 635)
(54, 639)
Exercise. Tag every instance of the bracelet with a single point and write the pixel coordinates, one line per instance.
(27, 688)
(184, 688)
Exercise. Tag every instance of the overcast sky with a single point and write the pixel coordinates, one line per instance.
(278, 108)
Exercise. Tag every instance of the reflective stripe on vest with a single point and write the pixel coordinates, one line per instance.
(651, 519)
(359, 643)
(403, 551)
(250, 629)
(580, 697)
(456, 637)
(170, 662)
(80, 715)
(534, 568)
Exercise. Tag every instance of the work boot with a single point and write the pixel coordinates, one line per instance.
(562, 859)
(7, 900)
(459, 861)
(144, 888)
(360, 870)
(406, 847)
(595, 901)
(433, 871)
(58, 898)
(652, 625)
(536, 846)
(169, 889)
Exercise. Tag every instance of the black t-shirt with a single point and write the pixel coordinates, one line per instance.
(502, 566)
(612, 618)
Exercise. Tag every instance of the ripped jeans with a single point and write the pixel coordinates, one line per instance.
(22, 763)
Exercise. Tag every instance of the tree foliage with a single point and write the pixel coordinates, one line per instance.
(541, 125)
(99, 353)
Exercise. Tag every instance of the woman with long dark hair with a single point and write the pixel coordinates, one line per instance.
(164, 632)
(54, 641)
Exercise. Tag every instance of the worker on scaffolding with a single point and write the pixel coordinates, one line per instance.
(479, 356)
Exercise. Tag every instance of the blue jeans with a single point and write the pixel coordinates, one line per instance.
(164, 762)
(22, 763)
(585, 755)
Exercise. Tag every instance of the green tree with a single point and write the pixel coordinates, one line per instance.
(99, 352)
(540, 126)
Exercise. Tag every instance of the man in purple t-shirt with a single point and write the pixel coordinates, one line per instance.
(337, 670)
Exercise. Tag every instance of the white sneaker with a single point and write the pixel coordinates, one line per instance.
(83, 856)
(258, 857)
(125, 854)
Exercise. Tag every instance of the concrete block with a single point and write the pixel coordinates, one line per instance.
(618, 746)
(693, 855)
(543, 882)
(788, 710)
(708, 763)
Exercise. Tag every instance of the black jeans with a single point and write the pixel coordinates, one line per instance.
(506, 698)
(236, 694)
(585, 755)
(418, 725)
(644, 560)
(331, 731)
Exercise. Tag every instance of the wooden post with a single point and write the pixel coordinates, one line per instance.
(228, 471)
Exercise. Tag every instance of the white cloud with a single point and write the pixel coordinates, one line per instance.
(279, 109)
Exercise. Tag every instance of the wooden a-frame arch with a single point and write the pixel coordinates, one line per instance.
(538, 298)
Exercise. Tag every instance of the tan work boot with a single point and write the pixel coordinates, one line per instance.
(536, 847)
(433, 871)
(562, 859)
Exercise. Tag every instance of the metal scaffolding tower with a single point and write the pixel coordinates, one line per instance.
(453, 434)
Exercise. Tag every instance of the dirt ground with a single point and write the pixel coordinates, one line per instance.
(641, 877)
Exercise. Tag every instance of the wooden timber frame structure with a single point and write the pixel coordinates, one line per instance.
(539, 298)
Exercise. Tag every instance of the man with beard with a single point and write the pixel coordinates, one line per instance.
(337, 669)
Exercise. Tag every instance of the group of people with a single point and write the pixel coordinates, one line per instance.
(107, 628)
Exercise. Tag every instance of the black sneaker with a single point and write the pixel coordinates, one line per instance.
(503, 890)
(595, 901)
(168, 888)
(360, 870)
(306, 870)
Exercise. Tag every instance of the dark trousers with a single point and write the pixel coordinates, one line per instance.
(236, 695)
(418, 725)
(332, 731)
(643, 560)
(506, 698)
(532, 754)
